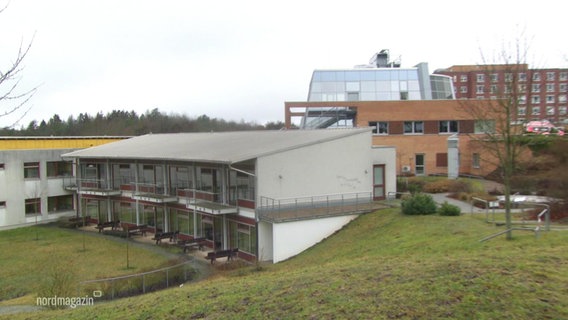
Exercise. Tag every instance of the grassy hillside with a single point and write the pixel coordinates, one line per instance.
(382, 265)
(25, 262)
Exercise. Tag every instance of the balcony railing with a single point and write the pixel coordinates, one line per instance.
(303, 208)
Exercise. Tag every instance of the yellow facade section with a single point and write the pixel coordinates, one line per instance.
(29, 143)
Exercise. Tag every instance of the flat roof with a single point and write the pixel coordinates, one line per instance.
(219, 147)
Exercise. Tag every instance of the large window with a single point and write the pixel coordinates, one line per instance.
(31, 170)
(415, 127)
(59, 169)
(448, 126)
(125, 211)
(33, 206)
(60, 203)
(380, 127)
(242, 236)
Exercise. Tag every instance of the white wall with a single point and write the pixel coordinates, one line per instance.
(332, 167)
(291, 238)
(265, 244)
(14, 189)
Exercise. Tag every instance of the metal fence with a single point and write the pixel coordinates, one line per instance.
(135, 284)
(314, 206)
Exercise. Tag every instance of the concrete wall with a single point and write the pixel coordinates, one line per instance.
(291, 238)
(265, 243)
(331, 167)
(14, 189)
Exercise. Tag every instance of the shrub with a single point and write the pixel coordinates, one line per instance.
(449, 210)
(412, 185)
(418, 204)
(446, 185)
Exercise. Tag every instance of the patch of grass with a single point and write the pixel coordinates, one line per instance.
(382, 265)
(26, 262)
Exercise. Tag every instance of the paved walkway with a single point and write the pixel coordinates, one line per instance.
(465, 207)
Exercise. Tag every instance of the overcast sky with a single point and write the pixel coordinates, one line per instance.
(241, 60)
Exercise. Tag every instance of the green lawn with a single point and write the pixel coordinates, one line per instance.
(25, 261)
(381, 266)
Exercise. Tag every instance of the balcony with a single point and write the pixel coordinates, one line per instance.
(93, 187)
(152, 193)
(205, 201)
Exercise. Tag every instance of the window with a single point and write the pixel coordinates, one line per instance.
(413, 127)
(508, 77)
(549, 111)
(403, 95)
(535, 87)
(550, 98)
(242, 236)
(59, 169)
(2, 204)
(475, 160)
(479, 89)
(562, 98)
(550, 76)
(535, 99)
(562, 110)
(1, 166)
(59, 203)
(494, 77)
(563, 87)
(522, 76)
(448, 126)
(480, 77)
(536, 76)
(522, 88)
(521, 111)
(380, 127)
(549, 87)
(564, 76)
(31, 170)
(484, 126)
(33, 206)
(535, 111)
(463, 78)
(493, 89)
(522, 99)
(352, 96)
(463, 89)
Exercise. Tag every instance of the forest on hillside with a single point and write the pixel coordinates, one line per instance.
(129, 123)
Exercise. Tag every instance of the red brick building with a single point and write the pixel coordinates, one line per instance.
(419, 130)
(542, 93)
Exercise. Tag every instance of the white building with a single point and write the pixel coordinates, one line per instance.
(32, 176)
(271, 194)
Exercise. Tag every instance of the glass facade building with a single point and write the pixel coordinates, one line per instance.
(379, 84)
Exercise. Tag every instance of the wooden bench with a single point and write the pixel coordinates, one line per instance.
(165, 235)
(132, 230)
(230, 253)
(191, 244)
(108, 224)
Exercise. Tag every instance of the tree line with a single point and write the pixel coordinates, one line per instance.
(130, 123)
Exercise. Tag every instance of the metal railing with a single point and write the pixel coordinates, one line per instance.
(311, 207)
(140, 283)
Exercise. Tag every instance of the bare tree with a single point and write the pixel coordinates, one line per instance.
(499, 134)
(12, 100)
